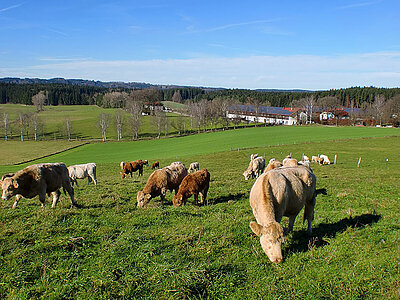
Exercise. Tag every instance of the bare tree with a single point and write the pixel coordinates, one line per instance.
(177, 97)
(257, 109)
(378, 107)
(200, 111)
(37, 126)
(308, 104)
(115, 99)
(119, 122)
(135, 109)
(158, 120)
(191, 111)
(178, 123)
(39, 99)
(391, 110)
(22, 123)
(104, 123)
(5, 122)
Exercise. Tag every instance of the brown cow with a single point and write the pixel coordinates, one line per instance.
(39, 180)
(131, 167)
(167, 178)
(193, 184)
(155, 165)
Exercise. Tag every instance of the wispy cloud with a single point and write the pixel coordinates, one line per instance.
(62, 59)
(283, 72)
(11, 7)
(192, 29)
(359, 4)
(233, 25)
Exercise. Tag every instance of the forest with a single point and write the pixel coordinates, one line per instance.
(74, 94)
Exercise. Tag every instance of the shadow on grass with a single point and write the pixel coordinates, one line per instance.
(301, 242)
(226, 198)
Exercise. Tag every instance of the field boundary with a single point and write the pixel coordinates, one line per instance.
(47, 155)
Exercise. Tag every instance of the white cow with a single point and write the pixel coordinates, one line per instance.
(193, 167)
(82, 171)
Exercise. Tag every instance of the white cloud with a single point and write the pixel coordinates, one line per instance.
(359, 4)
(10, 7)
(283, 72)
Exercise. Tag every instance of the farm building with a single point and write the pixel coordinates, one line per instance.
(265, 114)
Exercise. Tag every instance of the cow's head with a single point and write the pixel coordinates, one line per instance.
(142, 199)
(177, 200)
(247, 174)
(9, 186)
(123, 175)
(271, 239)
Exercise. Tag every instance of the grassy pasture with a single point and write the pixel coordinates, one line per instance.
(111, 249)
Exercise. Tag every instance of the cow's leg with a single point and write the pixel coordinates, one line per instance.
(94, 178)
(196, 198)
(204, 195)
(89, 180)
(291, 223)
(70, 191)
(42, 195)
(309, 215)
(17, 198)
(56, 195)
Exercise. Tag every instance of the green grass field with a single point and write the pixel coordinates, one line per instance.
(110, 249)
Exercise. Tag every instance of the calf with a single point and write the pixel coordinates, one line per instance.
(131, 167)
(193, 184)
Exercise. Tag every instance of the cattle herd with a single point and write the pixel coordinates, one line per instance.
(281, 189)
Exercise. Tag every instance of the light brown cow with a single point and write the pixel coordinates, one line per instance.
(81, 172)
(39, 180)
(277, 193)
(193, 184)
(255, 168)
(167, 178)
(273, 164)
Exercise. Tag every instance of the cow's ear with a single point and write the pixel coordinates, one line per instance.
(256, 228)
(15, 184)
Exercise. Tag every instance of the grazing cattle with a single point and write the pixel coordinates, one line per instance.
(193, 167)
(316, 159)
(273, 164)
(131, 167)
(39, 180)
(145, 162)
(324, 160)
(155, 165)
(193, 184)
(277, 193)
(18, 196)
(290, 162)
(255, 168)
(81, 172)
(167, 178)
(305, 158)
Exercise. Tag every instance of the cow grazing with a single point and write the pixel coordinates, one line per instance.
(193, 167)
(193, 184)
(81, 172)
(290, 162)
(161, 180)
(277, 193)
(131, 167)
(324, 160)
(155, 165)
(39, 180)
(273, 164)
(255, 168)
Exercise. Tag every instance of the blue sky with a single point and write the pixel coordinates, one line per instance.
(233, 44)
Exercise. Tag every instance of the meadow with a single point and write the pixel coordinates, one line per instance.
(110, 249)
